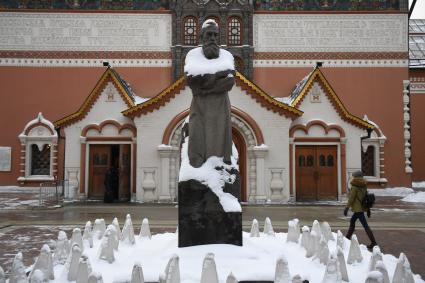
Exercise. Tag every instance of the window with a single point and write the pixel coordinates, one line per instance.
(310, 161)
(368, 161)
(190, 31)
(234, 29)
(301, 161)
(40, 160)
(39, 146)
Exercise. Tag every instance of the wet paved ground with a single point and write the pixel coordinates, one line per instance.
(398, 226)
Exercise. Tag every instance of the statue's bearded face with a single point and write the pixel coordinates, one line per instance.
(209, 36)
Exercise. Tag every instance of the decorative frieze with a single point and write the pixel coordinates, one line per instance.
(330, 32)
(85, 31)
(332, 63)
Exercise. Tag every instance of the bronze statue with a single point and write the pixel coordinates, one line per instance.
(210, 132)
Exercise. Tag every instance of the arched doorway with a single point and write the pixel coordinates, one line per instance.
(240, 145)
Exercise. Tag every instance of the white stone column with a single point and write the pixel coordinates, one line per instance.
(165, 153)
(406, 118)
(260, 153)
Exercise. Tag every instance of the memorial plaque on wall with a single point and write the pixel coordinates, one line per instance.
(5, 158)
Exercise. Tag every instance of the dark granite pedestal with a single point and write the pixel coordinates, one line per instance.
(202, 219)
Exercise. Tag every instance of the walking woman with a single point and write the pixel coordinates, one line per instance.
(357, 194)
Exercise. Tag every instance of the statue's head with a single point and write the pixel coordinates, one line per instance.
(209, 38)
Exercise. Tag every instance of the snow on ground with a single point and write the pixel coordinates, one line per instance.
(418, 185)
(415, 197)
(255, 260)
(394, 192)
(408, 194)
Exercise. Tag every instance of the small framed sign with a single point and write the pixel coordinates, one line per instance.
(5, 159)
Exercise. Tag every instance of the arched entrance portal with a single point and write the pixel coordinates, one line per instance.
(245, 134)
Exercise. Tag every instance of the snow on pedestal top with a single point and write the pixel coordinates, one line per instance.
(197, 64)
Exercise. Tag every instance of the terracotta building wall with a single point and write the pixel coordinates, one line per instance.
(376, 92)
(56, 92)
(417, 123)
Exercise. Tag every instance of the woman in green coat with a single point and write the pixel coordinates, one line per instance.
(357, 193)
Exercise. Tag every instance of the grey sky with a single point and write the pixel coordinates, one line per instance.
(419, 12)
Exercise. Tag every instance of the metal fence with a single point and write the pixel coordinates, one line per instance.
(52, 193)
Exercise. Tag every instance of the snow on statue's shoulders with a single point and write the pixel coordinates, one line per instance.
(197, 64)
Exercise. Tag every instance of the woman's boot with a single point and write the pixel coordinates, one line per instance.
(372, 239)
(350, 232)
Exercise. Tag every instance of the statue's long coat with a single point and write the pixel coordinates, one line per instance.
(210, 131)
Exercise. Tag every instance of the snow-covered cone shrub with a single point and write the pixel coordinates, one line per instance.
(77, 238)
(313, 244)
(374, 277)
(322, 252)
(293, 231)
(403, 273)
(62, 249)
(17, 274)
(380, 266)
(95, 277)
(340, 242)
(209, 270)
(37, 276)
(2, 276)
(342, 265)
(44, 263)
(75, 261)
(172, 271)
(231, 278)
(376, 255)
(297, 279)
(332, 272)
(88, 235)
(305, 237)
(145, 231)
(128, 231)
(137, 274)
(114, 236)
(316, 228)
(354, 255)
(99, 228)
(84, 270)
(282, 271)
(106, 251)
(255, 230)
(117, 227)
(268, 228)
(327, 231)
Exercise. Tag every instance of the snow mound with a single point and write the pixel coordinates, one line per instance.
(393, 192)
(197, 64)
(416, 185)
(415, 197)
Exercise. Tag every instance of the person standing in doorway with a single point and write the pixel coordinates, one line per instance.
(357, 194)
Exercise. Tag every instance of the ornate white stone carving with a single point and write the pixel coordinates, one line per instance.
(80, 62)
(331, 63)
(277, 185)
(149, 183)
(406, 119)
(85, 31)
(330, 33)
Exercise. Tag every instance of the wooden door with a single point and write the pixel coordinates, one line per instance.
(125, 172)
(305, 168)
(316, 173)
(99, 162)
(327, 182)
(240, 145)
